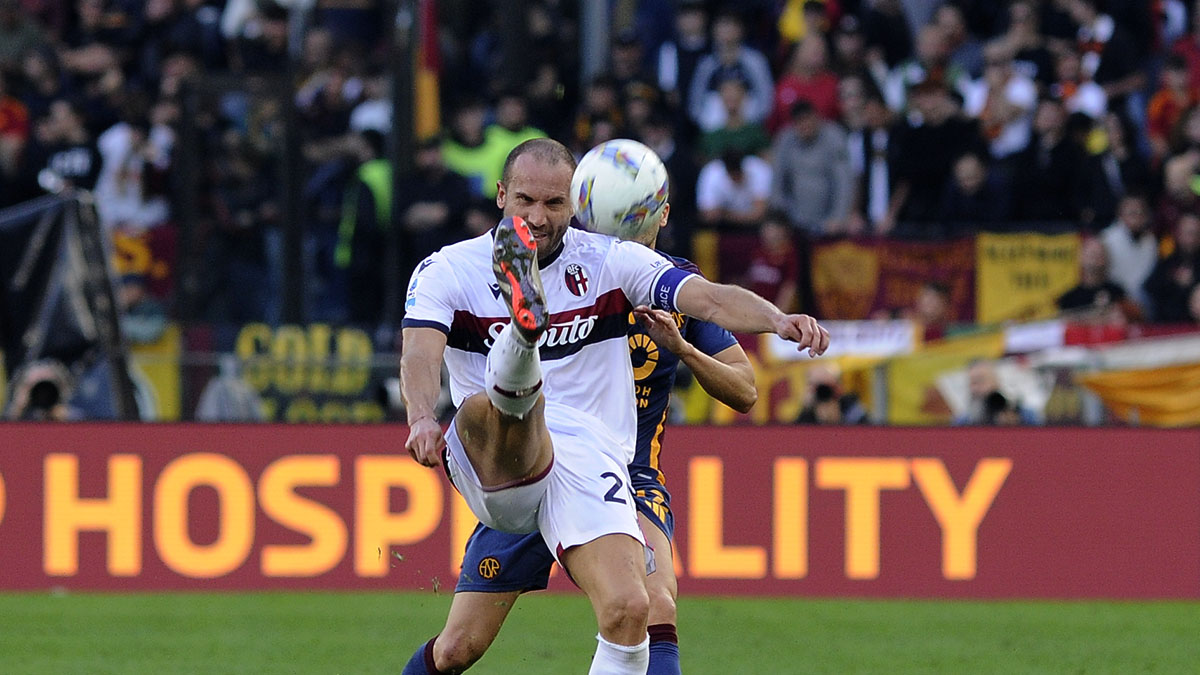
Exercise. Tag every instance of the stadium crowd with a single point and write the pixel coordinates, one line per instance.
(789, 120)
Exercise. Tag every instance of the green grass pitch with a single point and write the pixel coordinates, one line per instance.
(549, 633)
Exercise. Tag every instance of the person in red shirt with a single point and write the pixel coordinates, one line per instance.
(14, 129)
(1169, 103)
(774, 265)
(808, 77)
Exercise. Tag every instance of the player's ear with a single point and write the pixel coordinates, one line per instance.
(666, 212)
(500, 195)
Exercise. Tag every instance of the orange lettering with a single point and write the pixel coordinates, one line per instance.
(862, 479)
(280, 501)
(708, 556)
(235, 525)
(376, 527)
(959, 517)
(791, 518)
(119, 515)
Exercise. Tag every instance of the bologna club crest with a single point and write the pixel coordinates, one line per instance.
(577, 280)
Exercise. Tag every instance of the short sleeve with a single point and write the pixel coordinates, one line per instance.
(708, 337)
(429, 302)
(646, 277)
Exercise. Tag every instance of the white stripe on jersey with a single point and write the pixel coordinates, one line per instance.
(591, 286)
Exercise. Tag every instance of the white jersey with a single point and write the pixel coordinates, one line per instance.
(591, 285)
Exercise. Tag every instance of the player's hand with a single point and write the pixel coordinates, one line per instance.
(425, 441)
(805, 332)
(661, 326)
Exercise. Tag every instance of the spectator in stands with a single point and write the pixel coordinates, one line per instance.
(1174, 276)
(1003, 101)
(131, 189)
(246, 205)
(975, 197)
(550, 109)
(730, 55)
(1175, 95)
(921, 155)
(601, 105)
(732, 191)
(431, 206)
(18, 34)
(227, 397)
(480, 216)
(678, 57)
(258, 42)
(641, 100)
(807, 77)
(512, 126)
(987, 403)
(1109, 54)
(966, 52)
(825, 403)
(774, 265)
(374, 111)
(850, 56)
(1186, 134)
(63, 145)
(930, 67)
(627, 61)
(1131, 247)
(871, 206)
(14, 133)
(887, 31)
(1096, 297)
(43, 81)
(466, 150)
(737, 132)
(1025, 41)
(812, 180)
(931, 310)
(1188, 46)
(1179, 195)
(1051, 176)
(660, 135)
(1122, 167)
(1078, 92)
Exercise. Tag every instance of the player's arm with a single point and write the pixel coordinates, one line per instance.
(420, 385)
(739, 310)
(726, 375)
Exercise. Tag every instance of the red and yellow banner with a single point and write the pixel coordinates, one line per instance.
(777, 510)
(855, 280)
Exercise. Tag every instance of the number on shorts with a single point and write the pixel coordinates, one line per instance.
(611, 495)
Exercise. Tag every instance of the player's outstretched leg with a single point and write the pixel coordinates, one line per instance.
(514, 373)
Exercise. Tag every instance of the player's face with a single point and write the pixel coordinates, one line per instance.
(539, 192)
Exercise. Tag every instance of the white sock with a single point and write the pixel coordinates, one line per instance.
(514, 374)
(614, 659)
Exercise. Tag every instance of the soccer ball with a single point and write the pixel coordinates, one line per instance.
(620, 189)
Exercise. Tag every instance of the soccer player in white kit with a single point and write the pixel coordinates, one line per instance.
(541, 376)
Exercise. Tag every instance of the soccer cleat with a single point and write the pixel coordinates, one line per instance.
(514, 261)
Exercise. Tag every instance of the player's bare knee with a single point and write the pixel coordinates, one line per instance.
(454, 652)
(662, 604)
(623, 615)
